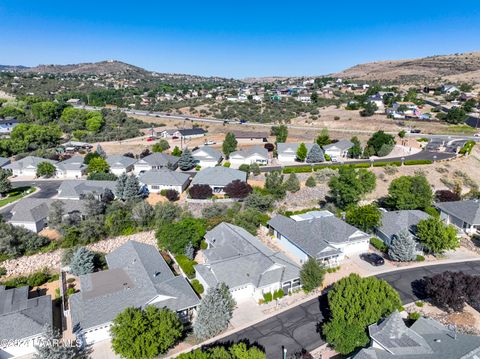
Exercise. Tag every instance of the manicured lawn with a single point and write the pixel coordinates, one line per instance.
(15, 194)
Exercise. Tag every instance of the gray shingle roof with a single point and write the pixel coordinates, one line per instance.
(250, 151)
(315, 232)
(137, 275)
(29, 161)
(75, 189)
(35, 209)
(158, 159)
(468, 211)
(396, 221)
(163, 177)
(425, 339)
(73, 163)
(218, 176)
(120, 162)
(4, 161)
(237, 258)
(342, 145)
(291, 147)
(212, 154)
(21, 317)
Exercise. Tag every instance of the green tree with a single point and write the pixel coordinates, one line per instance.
(302, 152)
(90, 156)
(99, 150)
(83, 262)
(260, 202)
(323, 138)
(456, 115)
(436, 236)
(52, 347)
(280, 133)
(98, 165)
(166, 212)
(380, 140)
(292, 184)
(120, 186)
(311, 182)
(94, 122)
(177, 152)
(402, 134)
(315, 154)
(355, 303)
(235, 351)
(46, 112)
(161, 146)
(56, 213)
(186, 161)
(145, 333)
(274, 184)
(132, 189)
(5, 185)
(366, 218)
(176, 236)
(46, 169)
(311, 275)
(356, 150)
(350, 185)
(402, 248)
(369, 109)
(409, 192)
(229, 144)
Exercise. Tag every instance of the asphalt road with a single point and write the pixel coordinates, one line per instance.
(296, 328)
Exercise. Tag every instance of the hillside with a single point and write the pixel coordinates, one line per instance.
(95, 68)
(456, 68)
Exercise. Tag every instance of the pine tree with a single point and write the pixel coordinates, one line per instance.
(311, 182)
(56, 213)
(189, 251)
(50, 347)
(229, 144)
(214, 312)
(83, 262)
(101, 152)
(402, 248)
(132, 188)
(186, 161)
(5, 184)
(176, 151)
(120, 186)
(315, 154)
(292, 184)
(302, 152)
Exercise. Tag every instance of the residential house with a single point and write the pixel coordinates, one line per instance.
(137, 276)
(207, 156)
(377, 99)
(251, 137)
(22, 321)
(186, 133)
(7, 125)
(71, 168)
(449, 89)
(248, 156)
(120, 164)
(405, 109)
(74, 146)
(424, 339)
(305, 98)
(338, 150)
(218, 177)
(465, 215)
(163, 179)
(155, 161)
(245, 264)
(394, 222)
(4, 161)
(287, 152)
(32, 213)
(319, 235)
(78, 189)
(27, 166)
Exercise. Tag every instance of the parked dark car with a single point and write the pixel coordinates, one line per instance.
(373, 258)
(416, 130)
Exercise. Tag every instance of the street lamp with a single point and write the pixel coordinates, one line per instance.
(434, 158)
(371, 162)
(402, 159)
(284, 353)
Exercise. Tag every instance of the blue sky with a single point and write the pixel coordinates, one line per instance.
(235, 38)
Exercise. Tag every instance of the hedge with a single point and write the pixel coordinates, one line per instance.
(33, 280)
(383, 164)
(378, 244)
(303, 169)
(197, 286)
(417, 162)
(186, 264)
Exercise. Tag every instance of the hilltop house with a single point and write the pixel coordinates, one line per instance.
(250, 137)
(22, 321)
(7, 125)
(287, 152)
(163, 179)
(185, 134)
(218, 177)
(137, 276)
(338, 150)
(71, 168)
(120, 164)
(319, 235)
(207, 156)
(465, 215)
(245, 264)
(248, 156)
(78, 189)
(155, 161)
(27, 166)
(32, 213)
(394, 222)
(424, 339)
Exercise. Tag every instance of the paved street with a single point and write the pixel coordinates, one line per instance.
(296, 328)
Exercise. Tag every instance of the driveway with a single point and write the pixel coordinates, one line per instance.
(296, 328)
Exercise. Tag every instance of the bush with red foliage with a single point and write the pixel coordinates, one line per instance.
(237, 189)
(446, 196)
(269, 147)
(200, 191)
(172, 195)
